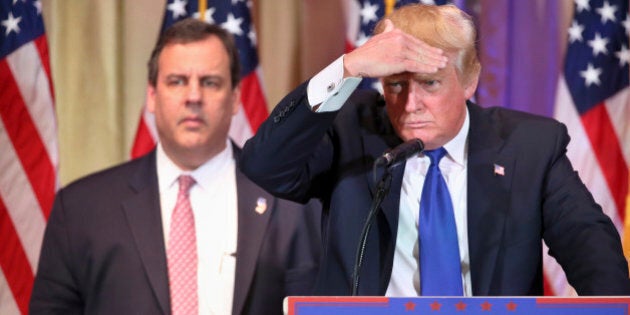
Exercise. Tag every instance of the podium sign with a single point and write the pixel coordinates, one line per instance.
(302, 305)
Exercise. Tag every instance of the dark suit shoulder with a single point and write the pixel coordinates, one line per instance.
(114, 174)
(509, 124)
(509, 119)
(102, 190)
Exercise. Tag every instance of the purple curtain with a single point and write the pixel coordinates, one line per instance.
(520, 50)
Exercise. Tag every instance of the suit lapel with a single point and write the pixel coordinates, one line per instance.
(145, 222)
(490, 169)
(251, 231)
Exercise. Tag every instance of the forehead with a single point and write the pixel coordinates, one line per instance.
(442, 74)
(206, 53)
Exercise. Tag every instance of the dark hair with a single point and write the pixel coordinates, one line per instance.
(192, 30)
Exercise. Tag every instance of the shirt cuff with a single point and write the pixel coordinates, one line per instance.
(327, 91)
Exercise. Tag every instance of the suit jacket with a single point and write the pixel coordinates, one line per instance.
(298, 154)
(103, 249)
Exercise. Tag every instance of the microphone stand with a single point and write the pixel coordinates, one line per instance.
(381, 191)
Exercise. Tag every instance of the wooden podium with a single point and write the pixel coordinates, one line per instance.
(345, 305)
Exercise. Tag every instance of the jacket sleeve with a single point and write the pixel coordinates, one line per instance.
(580, 236)
(291, 149)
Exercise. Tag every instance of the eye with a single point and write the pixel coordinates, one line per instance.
(395, 86)
(176, 81)
(431, 85)
(210, 82)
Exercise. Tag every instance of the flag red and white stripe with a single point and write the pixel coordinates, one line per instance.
(235, 17)
(28, 146)
(593, 100)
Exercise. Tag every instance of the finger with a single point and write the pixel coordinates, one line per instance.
(388, 25)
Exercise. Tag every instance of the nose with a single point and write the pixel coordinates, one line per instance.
(415, 96)
(194, 93)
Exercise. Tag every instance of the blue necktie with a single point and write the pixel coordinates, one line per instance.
(440, 269)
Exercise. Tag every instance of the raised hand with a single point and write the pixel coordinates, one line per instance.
(390, 52)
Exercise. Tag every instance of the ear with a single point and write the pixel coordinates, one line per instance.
(150, 98)
(236, 99)
(471, 87)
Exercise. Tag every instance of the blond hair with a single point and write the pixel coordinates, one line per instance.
(445, 27)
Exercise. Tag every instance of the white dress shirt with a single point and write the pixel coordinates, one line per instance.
(328, 91)
(214, 203)
(405, 279)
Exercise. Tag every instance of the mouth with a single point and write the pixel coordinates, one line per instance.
(416, 124)
(191, 121)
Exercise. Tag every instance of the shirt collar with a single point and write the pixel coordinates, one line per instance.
(456, 148)
(168, 171)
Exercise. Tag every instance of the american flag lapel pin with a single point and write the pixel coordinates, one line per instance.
(499, 170)
(261, 205)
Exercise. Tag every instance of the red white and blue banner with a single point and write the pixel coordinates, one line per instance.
(29, 156)
(457, 306)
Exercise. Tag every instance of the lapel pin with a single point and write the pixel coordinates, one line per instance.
(499, 170)
(261, 205)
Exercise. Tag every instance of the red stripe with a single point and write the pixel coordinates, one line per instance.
(547, 289)
(14, 263)
(348, 46)
(25, 138)
(143, 143)
(607, 148)
(253, 101)
(42, 48)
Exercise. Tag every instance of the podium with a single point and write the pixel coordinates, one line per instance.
(345, 305)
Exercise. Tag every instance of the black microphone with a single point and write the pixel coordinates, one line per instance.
(400, 153)
(389, 159)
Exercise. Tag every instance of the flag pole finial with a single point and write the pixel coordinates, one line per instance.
(389, 6)
(203, 6)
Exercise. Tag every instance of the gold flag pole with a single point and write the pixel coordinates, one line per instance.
(203, 5)
(389, 6)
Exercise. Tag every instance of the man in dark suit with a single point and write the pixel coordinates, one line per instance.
(510, 183)
(109, 247)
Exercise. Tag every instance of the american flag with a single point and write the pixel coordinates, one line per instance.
(233, 16)
(361, 18)
(593, 100)
(28, 149)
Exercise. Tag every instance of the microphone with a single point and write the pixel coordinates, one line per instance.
(389, 159)
(400, 153)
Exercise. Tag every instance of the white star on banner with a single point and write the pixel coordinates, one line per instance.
(623, 55)
(11, 24)
(598, 44)
(252, 37)
(178, 7)
(607, 12)
(575, 32)
(626, 24)
(591, 75)
(368, 12)
(38, 6)
(582, 5)
(207, 16)
(233, 25)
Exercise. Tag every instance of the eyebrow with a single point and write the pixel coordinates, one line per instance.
(203, 77)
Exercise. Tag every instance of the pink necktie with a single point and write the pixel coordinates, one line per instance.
(182, 253)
